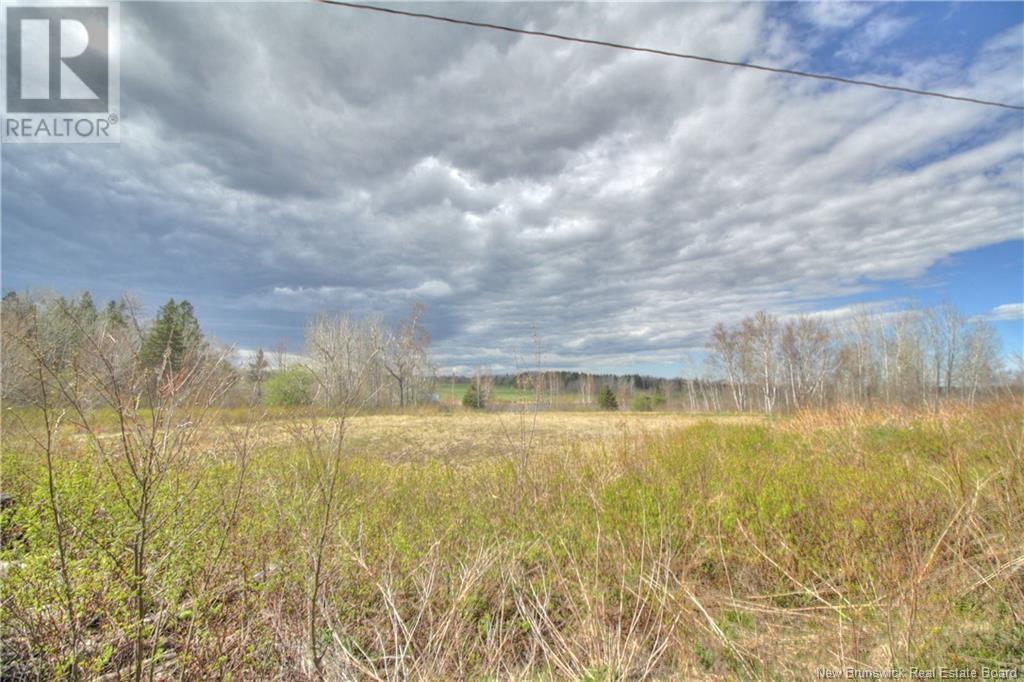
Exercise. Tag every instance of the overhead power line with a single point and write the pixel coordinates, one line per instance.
(666, 53)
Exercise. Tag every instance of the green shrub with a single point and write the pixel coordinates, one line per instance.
(289, 387)
(646, 403)
(641, 403)
(606, 399)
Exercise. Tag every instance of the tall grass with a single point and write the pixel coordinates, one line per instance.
(839, 539)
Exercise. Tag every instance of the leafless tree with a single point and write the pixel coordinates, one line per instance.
(980, 367)
(758, 342)
(280, 355)
(954, 326)
(586, 388)
(907, 355)
(404, 351)
(806, 353)
(726, 347)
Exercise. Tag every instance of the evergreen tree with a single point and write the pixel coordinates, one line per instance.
(175, 331)
(606, 399)
(475, 397)
(191, 333)
(114, 314)
(84, 310)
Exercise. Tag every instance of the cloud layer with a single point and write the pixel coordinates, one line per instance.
(278, 160)
(1007, 311)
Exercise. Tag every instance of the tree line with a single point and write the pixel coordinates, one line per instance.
(912, 357)
(366, 360)
(762, 363)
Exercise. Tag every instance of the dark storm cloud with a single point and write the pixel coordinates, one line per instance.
(278, 160)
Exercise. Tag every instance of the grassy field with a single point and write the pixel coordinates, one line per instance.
(465, 436)
(521, 546)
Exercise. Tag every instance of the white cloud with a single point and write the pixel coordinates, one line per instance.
(876, 33)
(835, 14)
(1009, 311)
(434, 288)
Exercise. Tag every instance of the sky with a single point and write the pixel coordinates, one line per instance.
(279, 160)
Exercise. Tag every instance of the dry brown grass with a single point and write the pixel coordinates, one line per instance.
(464, 436)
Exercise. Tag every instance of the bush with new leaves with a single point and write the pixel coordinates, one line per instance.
(643, 402)
(289, 387)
